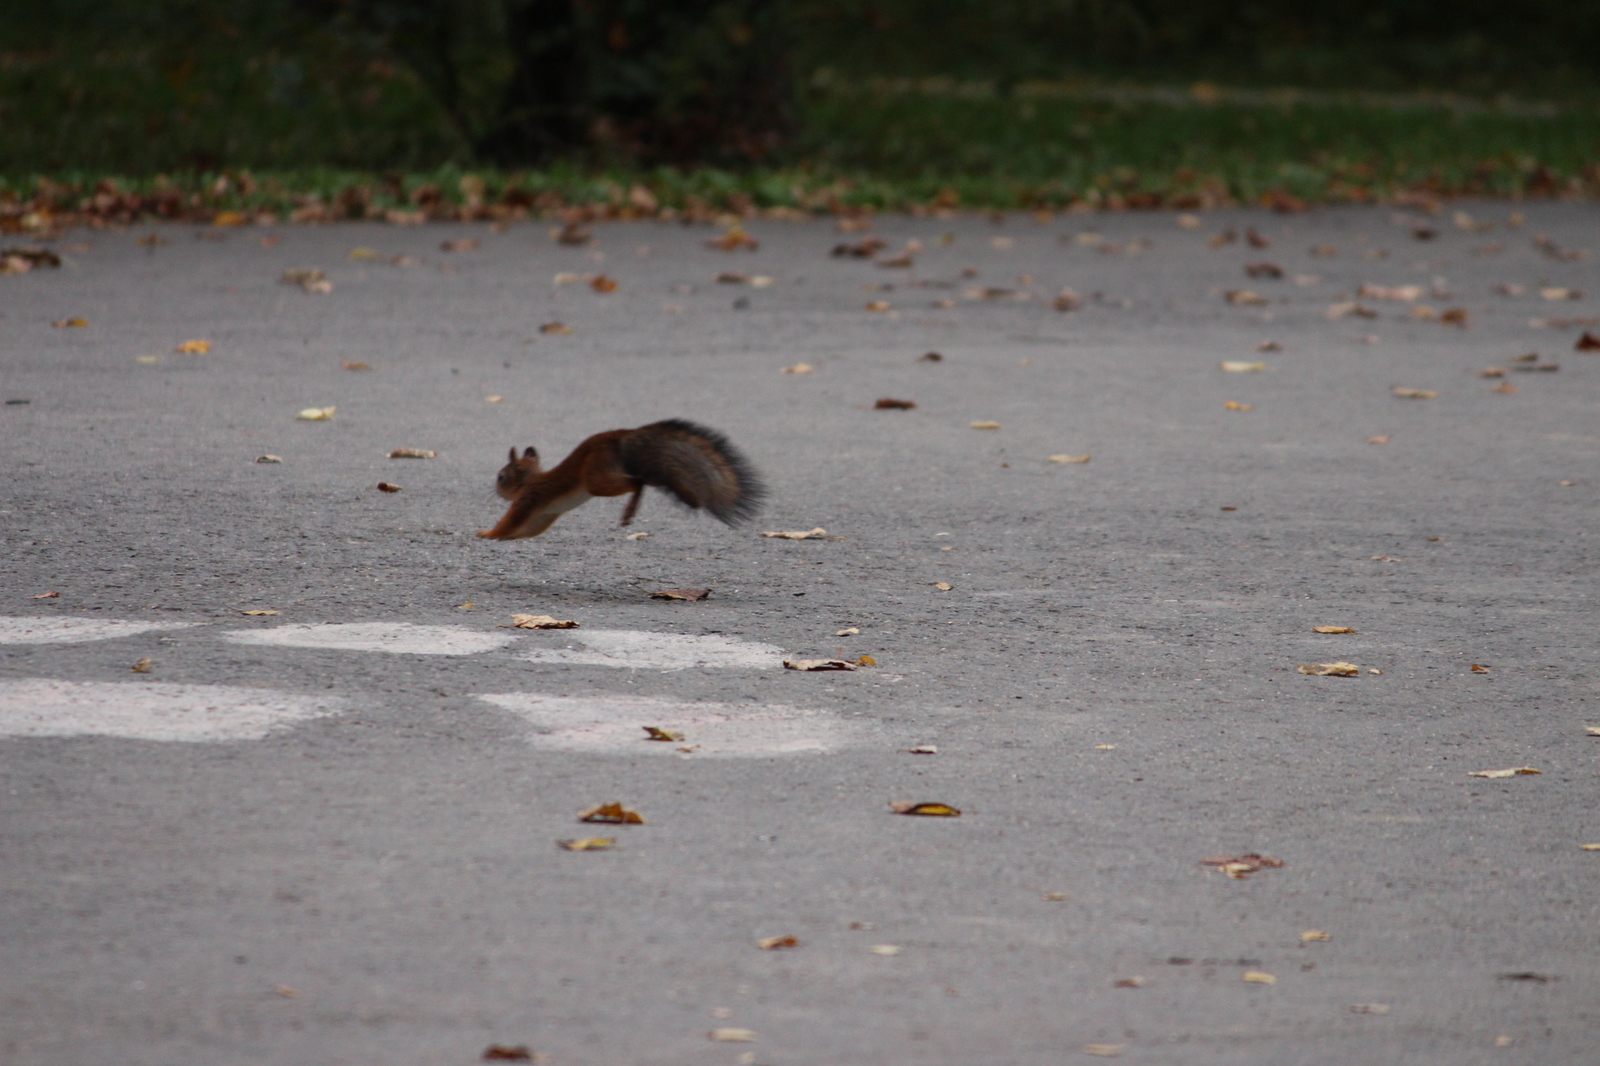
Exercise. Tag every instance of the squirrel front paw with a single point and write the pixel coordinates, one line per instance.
(486, 533)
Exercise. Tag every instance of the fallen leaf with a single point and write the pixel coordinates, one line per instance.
(1243, 298)
(864, 249)
(762, 281)
(1314, 935)
(1331, 629)
(1128, 982)
(364, 253)
(507, 1053)
(1492, 372)
(799, 368)
(1479, 668)
(70, 323)
(817, 665)
(1515, 771)
(1590, 847)
(1105, 747)
(259, 612)
(1239, 867)
(1369, 1008)
(943, 586)
(1414, 394)
(603, 284)
(1264, 270)
(983, 425)
(413, 453)
(1237, 367)
(878, 305)
(636, 536)
(811, 534)
(460, 244)
(316, 414)
(566, 277)
(734, 240)
(147, 358)
(1106, 1050)
(1330, 669)
(493, 399)
(193, 348)
(1406, 293)
(924, 749)
(885, 949)
(1234, 405)
(1378, 440)
(1269, 346)
(657, 733)
(1538, 368)
(1587, 343)
(1067, 300)
(1505, 387)
(384, 486)
(22, 260)
(285, 991)
(612, 814)
(586, 844)
(777, 943)
(1593, 731)
(573, 233)
(1556, 292)
(1257, 977)
(1054, 897)
(466, 606)
(539, 621)
(852, 631)
(680, 594)
(355, 366)
(1341, 310)
(46, 596)
(556, 327)
(887, 404)
(405, 261)
(1084, 458)
(142, 666)
(930, 810)
(732, 1036)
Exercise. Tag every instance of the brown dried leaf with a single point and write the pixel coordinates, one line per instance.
(1239, 867)
(586, 844)
(863, 249)
(1340, 310)
(602, 284)
(70, 323)
(46, 596)
(1264, 270)
(1330, 669)
(777, 943)
(460, 244)
(384, 486)
(1406, 293)
(1587, 343)
(573, 233)
(887, 404)
(539, 621)
(878, 305)
(680, 594)
(1369, 1008)
(507, 1053)
(556, 327)
(1235, 405)
(354, 366)
(928, 810)
(734, 240)
(612, 814)
(815, 665)
(924, 749)
(1128, 982)
(413, 453)
(935, 357)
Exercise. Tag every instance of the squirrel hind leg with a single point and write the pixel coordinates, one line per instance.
(633, 506)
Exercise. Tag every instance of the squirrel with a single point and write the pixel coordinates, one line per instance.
(697, 465)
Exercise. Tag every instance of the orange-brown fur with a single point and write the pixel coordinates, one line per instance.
(695, 464)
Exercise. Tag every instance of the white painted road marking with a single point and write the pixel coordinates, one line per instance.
(43, 707)
(74, 630)
(652, 651)
(614, 725)
(400, 638)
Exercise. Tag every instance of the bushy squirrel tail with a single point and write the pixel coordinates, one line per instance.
(697, 465)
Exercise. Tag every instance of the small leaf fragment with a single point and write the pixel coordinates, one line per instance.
(317, 414)
(924, 749)
(539, 621)
(269, 458)
(777, 943)
(556, 327)
(636, 536)
(70, 323)
(1244, 298)
(256, 613)
(1235, 405)
(888, 404)
(1331, 629)
(1314, 936)
(732, 1036)
(1257, 977)
(799, 368)
(1054, 897)
(929, 810)
(1515, 771)
(657, 733)
(586, 844)
(46, 596)
(197, 347)
(810, 534)
(885, 949)
(142, 666)
(1238, 867)
(507, 1053)
(943, 586)
(611, 814)
(349, 365)
(603, 284)
(1128, 982)
(851, 632)
(384, 486)
(1084, 458)
(1235, 366)
(680, 594)
(413, 453)
(1329, 669)
(1109, 1051)
(983, 424)
(1369, 1008)
(1414, 394)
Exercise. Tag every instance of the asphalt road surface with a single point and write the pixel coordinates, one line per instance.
(328, 834)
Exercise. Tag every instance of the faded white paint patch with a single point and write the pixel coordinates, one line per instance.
(42, 707)
(400, 638)
(614, 725)
(74, 630)
(651, 651)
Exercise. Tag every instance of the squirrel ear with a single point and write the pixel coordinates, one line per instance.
(513, 453)
(527, 453)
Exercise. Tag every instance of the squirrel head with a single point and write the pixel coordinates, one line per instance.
(515, 474)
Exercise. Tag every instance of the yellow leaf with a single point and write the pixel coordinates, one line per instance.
(1257, 977)
(316, 414)
(866, 660)
(799, 368)
(943, 586)
(193, 347)
(259, 612)
(72, 323)
(587, 844)
(1515, 771)
(878, 305)
(1234, 405)
(1311, 935)
(983, 425)
(1070, 458)
(1590, 847)
(655, 733)
(228, 218)
(1106, 1050)
(1331, 629)
(413, 453)
(1234, 366)
(777, 943)
(141, 667)
(931, 810)
(732, 1036)
(555, 327)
